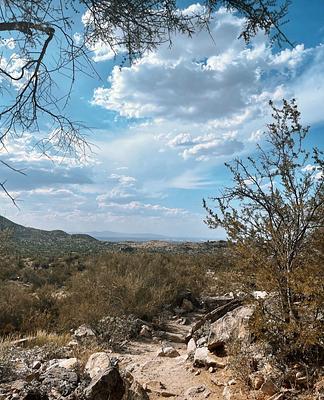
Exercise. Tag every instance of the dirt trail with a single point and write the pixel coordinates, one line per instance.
(174, 377)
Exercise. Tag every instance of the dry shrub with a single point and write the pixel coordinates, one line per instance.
(16, 305)
(123, 284)
(43, 338)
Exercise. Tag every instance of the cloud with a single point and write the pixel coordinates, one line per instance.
(203, 147)
(199, 79)
(137, 207)
(201, 90)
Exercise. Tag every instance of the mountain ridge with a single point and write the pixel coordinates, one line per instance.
(25, 239)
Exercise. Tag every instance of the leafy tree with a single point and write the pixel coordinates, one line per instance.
(274, 215)
(41, 51)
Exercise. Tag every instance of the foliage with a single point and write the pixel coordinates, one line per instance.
(138, 284)
(274, 217)
(58, 294)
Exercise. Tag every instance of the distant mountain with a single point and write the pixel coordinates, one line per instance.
(139, 237)
(31, 240)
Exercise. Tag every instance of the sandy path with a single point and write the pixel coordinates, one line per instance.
(172, 377)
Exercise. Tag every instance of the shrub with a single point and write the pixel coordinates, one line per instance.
(123, 284)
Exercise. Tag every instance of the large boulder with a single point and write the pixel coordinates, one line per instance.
(231, 326)
(96, 363)
(107, 384)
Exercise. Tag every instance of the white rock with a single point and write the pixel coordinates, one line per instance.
(259, 294)
(145, 331)
(191, 346)
(67, 363)
(203, 357)
(83, 331)
(97, 363)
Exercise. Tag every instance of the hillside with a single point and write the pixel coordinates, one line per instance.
(31, 240)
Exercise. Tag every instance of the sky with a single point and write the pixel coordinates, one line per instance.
(163, 128)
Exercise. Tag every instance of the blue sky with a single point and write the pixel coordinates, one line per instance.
(163, 128)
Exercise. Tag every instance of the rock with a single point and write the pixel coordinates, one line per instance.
(96, 363)
(168, 351)
(259, 294)
(231, 326)
(145, 331)
(160, 353)
(84, 331)
(195, 392)
(34, 394)
(256, 380)
(73, 343)
(36, 364)
(191, 346)
(197, 372)
(187, 305)
(269, 388)
(204, 358)
(211, 369)
(63, 380)
(201, 341)
(151, 364)
(133, 390)
(67, 363)
(227, 393)
(107, 384)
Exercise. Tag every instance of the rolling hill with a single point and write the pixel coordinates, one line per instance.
(26, 240)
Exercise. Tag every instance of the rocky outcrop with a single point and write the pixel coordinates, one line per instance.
(231, 326)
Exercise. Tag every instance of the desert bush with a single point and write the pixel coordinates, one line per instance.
(124, 284)
(273, 215)
(16, 305)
